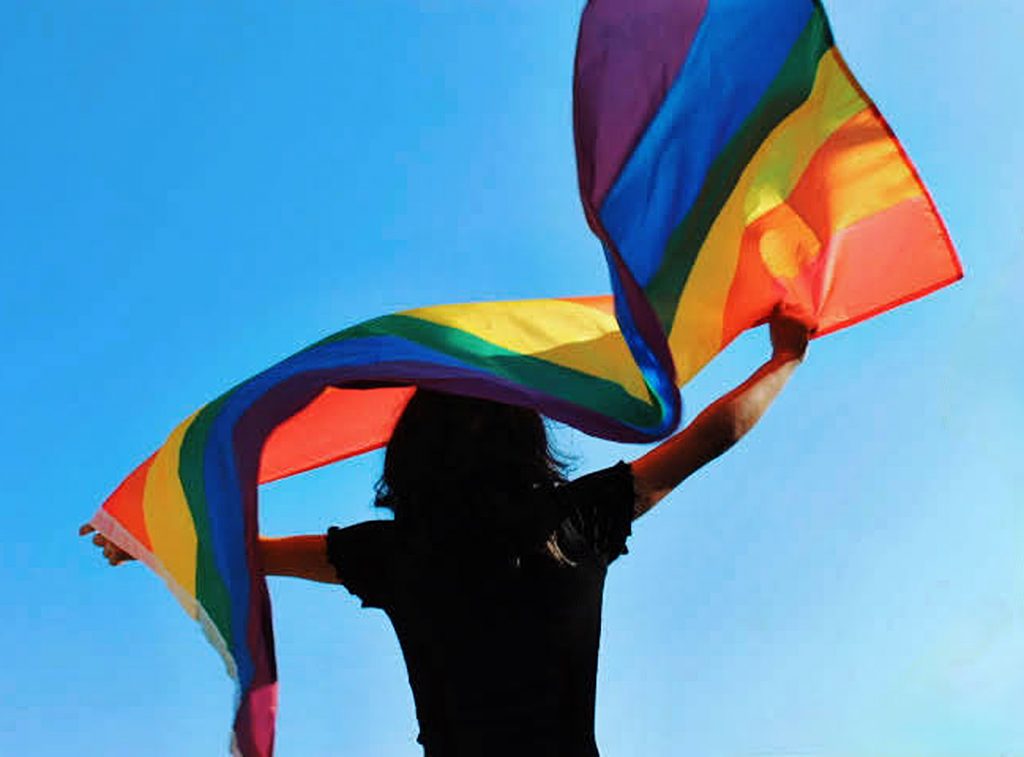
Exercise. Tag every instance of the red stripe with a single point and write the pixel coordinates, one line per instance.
(885, 261)
(339, 423)
(125, 504)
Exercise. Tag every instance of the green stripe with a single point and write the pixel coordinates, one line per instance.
(600, 395)
(788, 91)
(211, 591)
(597, 394)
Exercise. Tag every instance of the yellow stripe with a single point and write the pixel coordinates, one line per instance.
(168, 518)
(784, 156)
(859, 173)
(569, 334)
(868, 177)
(696, 333)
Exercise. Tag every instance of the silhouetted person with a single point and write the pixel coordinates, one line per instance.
(493, 568)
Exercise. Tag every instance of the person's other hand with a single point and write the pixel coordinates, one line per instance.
(789, 336)
(113, 553)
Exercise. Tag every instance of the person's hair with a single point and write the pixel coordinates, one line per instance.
(450, 456)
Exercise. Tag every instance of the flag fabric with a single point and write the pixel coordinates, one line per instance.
(190, 510)
(730, 165)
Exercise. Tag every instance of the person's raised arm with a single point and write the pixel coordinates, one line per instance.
(721, 424)
(295, 556)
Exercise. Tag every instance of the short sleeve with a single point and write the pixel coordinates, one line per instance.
(363, 557)
(600, 509)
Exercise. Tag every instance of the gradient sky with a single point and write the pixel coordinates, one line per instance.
(190, 191)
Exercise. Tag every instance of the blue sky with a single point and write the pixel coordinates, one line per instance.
(192, 191)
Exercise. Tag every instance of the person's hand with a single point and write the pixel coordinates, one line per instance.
(114, 554)
(789, 336)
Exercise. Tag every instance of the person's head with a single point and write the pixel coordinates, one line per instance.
(448, 450)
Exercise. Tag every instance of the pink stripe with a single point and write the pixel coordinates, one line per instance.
(254, 722)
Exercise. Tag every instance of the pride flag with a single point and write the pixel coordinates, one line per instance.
(730, 165)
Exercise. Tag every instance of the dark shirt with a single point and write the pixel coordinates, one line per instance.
(500, 639)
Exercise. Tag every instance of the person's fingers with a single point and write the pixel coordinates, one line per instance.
(111, 552)
(790, 314)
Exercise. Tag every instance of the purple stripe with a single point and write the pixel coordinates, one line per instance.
(742, 47)
(628, 56)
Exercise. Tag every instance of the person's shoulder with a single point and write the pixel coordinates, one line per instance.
(366, 528)
(363, 557)
(368, 536)
(616, 478)
(600, 509)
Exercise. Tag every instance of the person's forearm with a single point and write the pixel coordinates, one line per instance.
(298, 557)
(739, 410)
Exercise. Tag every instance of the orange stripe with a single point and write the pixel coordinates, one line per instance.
(882, 261)
(778, 239)
(858, 172)
(791, 254)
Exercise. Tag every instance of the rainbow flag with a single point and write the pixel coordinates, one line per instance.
(190, 511)
(730, 165)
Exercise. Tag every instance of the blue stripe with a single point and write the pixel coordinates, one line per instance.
(739, 50)
(655, 374)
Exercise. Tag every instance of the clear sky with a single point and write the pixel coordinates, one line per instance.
(190, 191)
